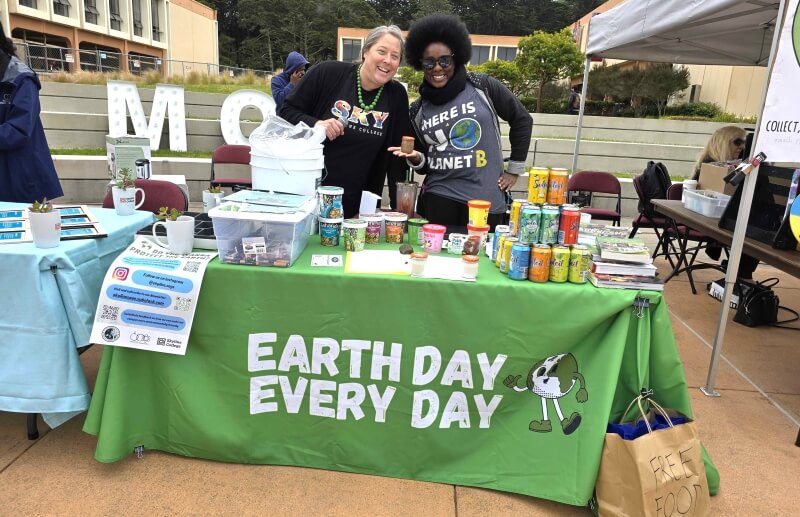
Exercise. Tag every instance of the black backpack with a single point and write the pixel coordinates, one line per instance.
(654, 182)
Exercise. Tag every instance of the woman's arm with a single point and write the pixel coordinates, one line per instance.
(300, 104)
(520, 122)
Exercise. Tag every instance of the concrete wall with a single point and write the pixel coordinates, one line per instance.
(75, 116)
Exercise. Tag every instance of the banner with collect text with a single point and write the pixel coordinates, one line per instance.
(495, 384)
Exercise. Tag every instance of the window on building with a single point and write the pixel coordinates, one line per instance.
(90, 11)
(116, 19)
(480, 54)
(137, 18)
(28, 3)
(694, 93)
(506, 53)
(61, 7)
(351, 50)
(154, 17)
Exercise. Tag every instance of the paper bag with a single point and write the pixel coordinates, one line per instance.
(658, 474)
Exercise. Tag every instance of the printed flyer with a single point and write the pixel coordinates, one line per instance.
(149, 297)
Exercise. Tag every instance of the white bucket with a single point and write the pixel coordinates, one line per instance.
(303, 182)
(306, 163)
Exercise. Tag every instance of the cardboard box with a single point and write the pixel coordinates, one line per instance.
(711, 178)
(123, 151)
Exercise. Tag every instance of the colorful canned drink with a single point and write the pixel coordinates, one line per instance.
(500, 229)
(569, 224)
(500, 234)
(519, 261)
(559, 264)
(557, 186)
(537, 185)
(513, 217)
(539, 268)
(530, 218)
(579, 264)
(549, 224)
(505, 255)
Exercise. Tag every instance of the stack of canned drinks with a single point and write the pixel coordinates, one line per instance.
(540, 242)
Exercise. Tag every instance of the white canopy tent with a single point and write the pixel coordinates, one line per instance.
(720, 32)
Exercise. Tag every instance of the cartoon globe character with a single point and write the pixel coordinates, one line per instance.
(552, 379)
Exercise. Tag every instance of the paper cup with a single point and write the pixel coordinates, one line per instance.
(434, 236)
(395, 227)
(374, 227)
(480, 231)
(354, 231)
(478, 211)
(415, 235)
(329, 230)
(330, 202)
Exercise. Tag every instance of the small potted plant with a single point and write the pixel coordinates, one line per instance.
(45, 224)
(212, 197)
(123, 191)
(180, 230)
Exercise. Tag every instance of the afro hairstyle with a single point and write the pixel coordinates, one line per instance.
(438, 28)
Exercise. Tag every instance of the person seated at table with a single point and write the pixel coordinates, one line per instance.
(27, 173)
(363, 111)
(456, 119)
(726, 144)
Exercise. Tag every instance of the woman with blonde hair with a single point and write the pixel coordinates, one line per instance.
(726, 144)
(363, 111)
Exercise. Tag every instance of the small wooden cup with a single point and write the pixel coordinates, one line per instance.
(407, 145)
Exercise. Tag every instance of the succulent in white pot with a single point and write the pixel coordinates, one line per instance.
(45, 224)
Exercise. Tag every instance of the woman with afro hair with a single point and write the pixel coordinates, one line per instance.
(456, 123)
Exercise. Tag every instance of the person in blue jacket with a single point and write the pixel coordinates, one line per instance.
(284, 82)
(27, 173)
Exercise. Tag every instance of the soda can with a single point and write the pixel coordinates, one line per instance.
(537, 185)
(579, 264)
(549, 225)
(513, 218)
(557, 187)
(559, 264)
(539, 268)
(530, 218)
(569, 224)
(498, 248)
(505, 255)
(500, 229)
(519, 261)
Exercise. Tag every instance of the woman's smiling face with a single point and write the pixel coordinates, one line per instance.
(380, 62)
(438, 76)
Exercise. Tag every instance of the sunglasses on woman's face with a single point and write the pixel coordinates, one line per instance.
(738, 141)
(444, 61)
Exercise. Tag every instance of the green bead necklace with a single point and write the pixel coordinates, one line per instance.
(366, 107)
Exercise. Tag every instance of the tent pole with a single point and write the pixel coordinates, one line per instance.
(741, 221)
(584, 89)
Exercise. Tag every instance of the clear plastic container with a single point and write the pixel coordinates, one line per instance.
(260, 239)
(706, 202)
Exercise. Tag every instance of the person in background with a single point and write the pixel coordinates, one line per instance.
(363, 111)
(27, 173)
(283, 83)
(726, 144)
(456, 123)
(574, 101)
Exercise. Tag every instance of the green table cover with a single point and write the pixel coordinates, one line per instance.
(395, 376)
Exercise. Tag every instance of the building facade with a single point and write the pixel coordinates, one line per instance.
(110, 35)
(350, 40)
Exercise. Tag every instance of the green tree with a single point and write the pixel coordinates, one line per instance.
(426, 7)
(504, 71)
(662, 81)
(546, 57)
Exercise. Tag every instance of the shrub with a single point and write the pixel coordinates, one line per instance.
(694, 109)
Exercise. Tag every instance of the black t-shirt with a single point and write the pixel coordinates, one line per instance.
(358, 159)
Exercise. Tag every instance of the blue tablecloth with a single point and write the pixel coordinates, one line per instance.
(49, 301)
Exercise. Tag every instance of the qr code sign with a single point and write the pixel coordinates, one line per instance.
(109, 313)
(182, 304)
(192, 266)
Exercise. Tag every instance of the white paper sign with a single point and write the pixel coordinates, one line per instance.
(148, 299)
(779, 134)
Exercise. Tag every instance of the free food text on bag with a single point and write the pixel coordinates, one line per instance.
(659, 474)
